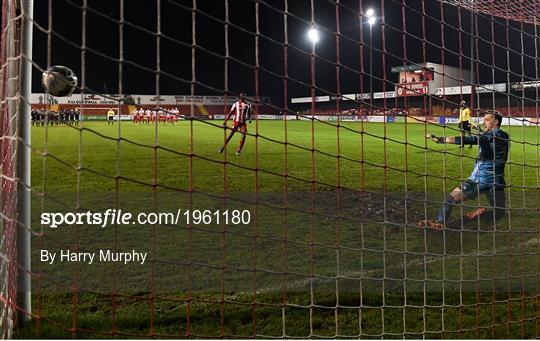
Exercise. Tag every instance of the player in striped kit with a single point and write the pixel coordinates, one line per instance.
(241, 111)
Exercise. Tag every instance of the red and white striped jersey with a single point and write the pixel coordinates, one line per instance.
(240, 111)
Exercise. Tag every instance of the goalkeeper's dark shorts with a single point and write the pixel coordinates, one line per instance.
(494, 193)
(465, 125)
(472, 189)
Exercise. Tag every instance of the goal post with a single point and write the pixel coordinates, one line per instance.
(15, 93)
(24, 231)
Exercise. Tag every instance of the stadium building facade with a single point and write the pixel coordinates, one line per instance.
(430, 92)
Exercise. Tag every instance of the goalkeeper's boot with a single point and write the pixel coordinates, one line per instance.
(221, 150)
(238, 153)
(432, 224)
(475, 214)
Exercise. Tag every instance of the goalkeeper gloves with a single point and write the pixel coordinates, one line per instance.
(435, 138)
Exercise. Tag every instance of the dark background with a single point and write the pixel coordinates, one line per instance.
(504, 50)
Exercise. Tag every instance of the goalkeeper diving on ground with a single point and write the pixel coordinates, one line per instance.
(487, 176)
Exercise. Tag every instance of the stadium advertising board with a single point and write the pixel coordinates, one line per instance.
(412, 89)
(511, 121)
(451, 120)
(113, 99)
(498, 87)
(348, 118)
(122, 117)
(525, 85)
(419, 119)
(348, 97)
(362, 96)
(264, 117)
(466, 90)
(376, 118)
(453, 90)
(310, 99)
(405, 68)
(387, 94)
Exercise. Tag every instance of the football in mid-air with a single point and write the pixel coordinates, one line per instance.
(59, 81)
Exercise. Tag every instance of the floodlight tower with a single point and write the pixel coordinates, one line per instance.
(370, 15)
(313, 37)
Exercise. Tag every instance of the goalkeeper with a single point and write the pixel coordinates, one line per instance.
(487, 176)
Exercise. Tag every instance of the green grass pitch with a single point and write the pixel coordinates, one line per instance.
(332, 249)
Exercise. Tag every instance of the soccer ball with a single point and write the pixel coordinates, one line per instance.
(59, 81)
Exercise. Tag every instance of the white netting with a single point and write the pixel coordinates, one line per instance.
(335, 171)
(519, 10)
(9, 91)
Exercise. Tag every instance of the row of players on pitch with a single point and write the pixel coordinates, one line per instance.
(152, 115)
(61, 117)
(240, 111)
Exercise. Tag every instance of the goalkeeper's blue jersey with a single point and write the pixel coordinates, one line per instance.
(492, 156)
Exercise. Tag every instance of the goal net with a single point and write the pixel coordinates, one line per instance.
(276, 169)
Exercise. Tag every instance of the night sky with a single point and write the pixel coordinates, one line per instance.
(101, 66)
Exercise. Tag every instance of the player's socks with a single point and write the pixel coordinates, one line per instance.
(429, 223)
(242, 141)
(446, 209)
(475, 214)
